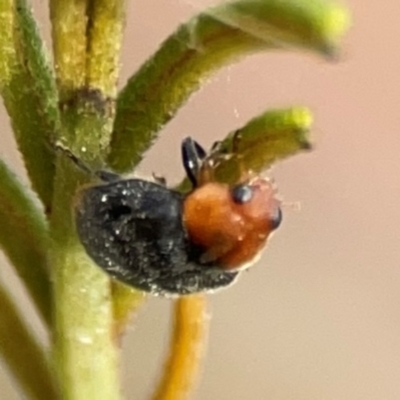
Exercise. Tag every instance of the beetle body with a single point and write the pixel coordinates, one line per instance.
(134, 230)
(167, 243)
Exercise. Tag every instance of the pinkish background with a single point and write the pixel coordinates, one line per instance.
(319, 317)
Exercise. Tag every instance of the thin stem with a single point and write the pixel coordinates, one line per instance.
(86, 355)
(24, 357)
(186, 348)
(85, 347)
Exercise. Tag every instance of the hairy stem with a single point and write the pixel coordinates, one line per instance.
(86, 351)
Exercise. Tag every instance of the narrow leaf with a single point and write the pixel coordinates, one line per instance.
(28, 89)
(69, 34)
(24, 239)
(24, 357)
(106, 22)
(207, 42)
(267, 138)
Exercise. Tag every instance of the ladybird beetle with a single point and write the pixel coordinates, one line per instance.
(168, 243)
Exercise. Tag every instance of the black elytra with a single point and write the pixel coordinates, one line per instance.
(134, 230)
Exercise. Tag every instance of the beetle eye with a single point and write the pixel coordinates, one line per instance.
(276, 218)
(242, 194)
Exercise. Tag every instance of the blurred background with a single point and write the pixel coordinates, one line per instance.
(318, 318)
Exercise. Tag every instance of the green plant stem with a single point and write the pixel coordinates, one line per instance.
(86, 354)
(85, 347)
(105, 29)
(24, 357)
(206, 43)
(28, 89)
(24, 239)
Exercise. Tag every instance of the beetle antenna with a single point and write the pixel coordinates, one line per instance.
(60, 148)
(105, 176)
(192, 157)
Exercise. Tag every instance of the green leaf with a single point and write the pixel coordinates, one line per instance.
(207, 42)
(317, 25)
(28, 89)
(267, 138)
(106, 22)
(69, 34)
(24, 357)
(24, 239)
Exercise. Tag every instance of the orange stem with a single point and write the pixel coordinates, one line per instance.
(186, 349)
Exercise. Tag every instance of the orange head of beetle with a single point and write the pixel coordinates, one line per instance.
(230, 223)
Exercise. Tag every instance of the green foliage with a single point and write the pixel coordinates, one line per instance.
(74, 101)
